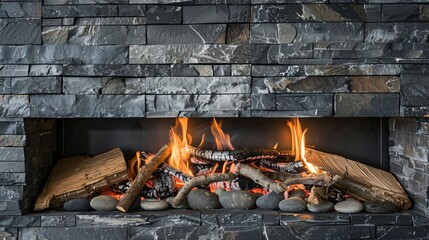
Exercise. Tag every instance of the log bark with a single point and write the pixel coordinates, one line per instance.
(167, 169)
(143, 175)
(281, 176)
(287, 167)
(318, 195)
(236, 155)
(201, 180)
(316, 180)
(258, 177)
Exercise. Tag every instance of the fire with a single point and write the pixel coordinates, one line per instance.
(223, 140)
(298, 144)
(180, 159)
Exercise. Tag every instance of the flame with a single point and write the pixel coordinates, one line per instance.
(298, 144)
(276, 146)
(222, 140)
(134, 166)
(180, 159)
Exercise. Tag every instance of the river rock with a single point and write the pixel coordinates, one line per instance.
(270, 201)
(77, 205)
(349, 206)
(293, 205)
(237, 199)
(104, 203)
(153, 204)
(219, 191)
(297, 193)
(378, 207)
(324, 206)
(183, 205)
(203, 199)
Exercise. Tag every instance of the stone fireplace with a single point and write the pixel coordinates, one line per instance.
(131, 59)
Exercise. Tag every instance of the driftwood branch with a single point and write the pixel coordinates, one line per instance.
(282, 176)
(174, 172)
(236, 155)
(198, 181)
(143, 175)
(258, 177)
(287, 167)
(316, 180)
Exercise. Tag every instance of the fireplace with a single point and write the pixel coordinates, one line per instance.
(74, 74)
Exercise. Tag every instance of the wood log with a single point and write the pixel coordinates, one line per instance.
(321, 179)
(363, 181)
(236, 155)
(258, 177)
(288, 167)
(282, 176)
(174, 172)
(318, 195)
(201, 180)
(79, 177)
(142, 176)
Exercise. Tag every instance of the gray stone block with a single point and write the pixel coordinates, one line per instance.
(283, 114)
(162, 14)
(242, 232)
(224, 218)
(401, 232)
(169, 54)
(164, 233)
(216, 14)
(12, 178)
(34, 85)
(366, 105)
(131, 10)
(309, 13)
(46, 70)
(14, 106)
(13, 70)
(61, 11)
(222, 70)
(160, 1)
(11, 127)
(241, 70)
(180, 70)
(212, 114)
(11, 193)
(20, 221)
(87, 106)
(350, 70)
(117, 70)
(263, 102)
(67, 2)
(300, 84)
(117, 85)
(279, 54)
(82, 85)
(5, 85)
(288, 1)
(407, 32)
(415, 90)
(238, 34)
(12, 140)
(176, 103)
(95, 35)
(73, 233)
(20, 31)
(59, 221)
(400, 12)
(197, 85)
(332, 219)
(297, 102)
(275, 70)
(186, 34)
(298, 232)
(16, 167)
(63, 54)
(111, 21)
(20, 9)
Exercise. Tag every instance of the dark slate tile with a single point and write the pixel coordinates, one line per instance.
(20, 9)
(222, 2)
(238, 33)
(11, 193)
(227, 218)
(277, 70)
(20, 221)
(5, 85)
(180, 70)
(45, 70)
(87, 106)
(242, 232)
(361, 69)
(305, 219)
(10, 127)
(263, 101)
(165, 233)
(100, 21)
(18, 167)
(14, 106)
(400, 12)
(308, 13)
(9, 233)
(222, 70)
(399, 219)
(20, 31)
(278, 54)
(35, 85)
(415, 90)
(409, 32)
(61, 11)
(287, 1)
(216, 14)
(60, 221)
(118, 85)
(117, 70)
(82, 85)
(13, 141)
(300, 84)
(192, 53)
(366, 105)
(402, 232)
(73, 233)
(94, 35)
(292, 113)
(186, 34)
(163, 14)
(363, 231)
(306, 232)
(297, 102)
(131, 10)
(12, 178)
(241, 70)
(374, 84)
(210, 114)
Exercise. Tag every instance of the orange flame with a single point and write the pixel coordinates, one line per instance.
(180, 159)
(298, 144)
(222, 140)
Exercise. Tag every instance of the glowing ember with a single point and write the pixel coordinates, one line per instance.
(223, 140)
(180, 159)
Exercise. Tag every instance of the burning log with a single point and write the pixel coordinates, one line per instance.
(201, 180)
(282, 176)
(163, 186)
(236, 155)
(288, 167)
(257, 176)
(174, 172)
(143, 175)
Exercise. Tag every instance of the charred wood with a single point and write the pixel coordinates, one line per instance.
(165, 168)
(258, 177)
(286, 167)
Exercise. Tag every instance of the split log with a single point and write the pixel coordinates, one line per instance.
(79, 177)
(163, 186)
(360, 180)
(143, 175)
(281, 175)
(174, 172)
(287, 167)
(236, 155)
(201, 180)
(258, 177)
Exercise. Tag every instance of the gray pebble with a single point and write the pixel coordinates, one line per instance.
(270, 201)
(324, 206)
(293, 205)
(237, 199)
(349, 206)
(203, 199)
(183, 205)
(153, 204)
(77, 205)
(104, 203)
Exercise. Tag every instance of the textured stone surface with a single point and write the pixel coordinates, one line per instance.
(195, 85)
(20, 9)
(87, 106)
(396, 32)
(13, 70)
(60, 221)
(117, 70)
(186, 34)
(280, 54)
(20, 31)
(368, 105)
(12, 154)
(73, 233)
(14, 106)
(34, 85)
(215, 14)
(364, 69)
(79, 11)
(45, 70)
(415, 90)
(306, 232)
